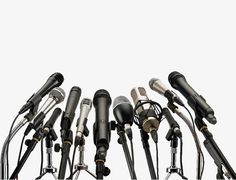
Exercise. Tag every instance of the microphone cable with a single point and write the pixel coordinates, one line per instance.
(72, 164)
(8, 143)
(199, 148)
(41, 159)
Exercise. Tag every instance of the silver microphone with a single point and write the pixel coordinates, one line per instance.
(156, 85)
(85, 107)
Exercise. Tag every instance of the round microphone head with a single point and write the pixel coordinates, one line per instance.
(59, 77)
(123, 111)
(101, 93)
(151, 82)
(173, 76)
(58, 94)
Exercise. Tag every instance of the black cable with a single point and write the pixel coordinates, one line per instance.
(199, 151)
(71, 168)
(41, 163)
(8, 142)
(21, 147)
(132, 151)
(157, 159)
(181, 156)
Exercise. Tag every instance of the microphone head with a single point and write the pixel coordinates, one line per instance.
(58, 76)
(138, 93)
(173, 77)
(58, 94)
(101, 93)
(156, 85)
(123, 111)
(86, 101)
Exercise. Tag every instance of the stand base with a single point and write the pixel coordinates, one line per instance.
(172, 170)
(49, 169)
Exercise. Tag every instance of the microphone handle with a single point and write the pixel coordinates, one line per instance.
(65, 155)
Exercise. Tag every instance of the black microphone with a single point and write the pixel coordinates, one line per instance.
(124, 114)
(85, 107)
(158, 86)
(38, 136)
(149, 120)
(101, 130)
(66, 133)
(173, 124)
(195, 101)
(71, 105)
(53, 81)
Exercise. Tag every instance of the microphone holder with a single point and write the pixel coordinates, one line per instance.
(176, 110)
(173, 144)
(122, 140)
(223, 166)
(49, 144)
(144, 138)
(81, 165)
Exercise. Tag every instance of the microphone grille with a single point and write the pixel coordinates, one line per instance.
(59, 77)
(120, 100)
(172, 76)
(152, 81)
(58, 94)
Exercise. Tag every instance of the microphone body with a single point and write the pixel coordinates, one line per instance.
(85, 107)
(66, 133)
(38, 136)
(53, 81)
(173, 124)
(158, 86)
(101, 130)
(195, 101)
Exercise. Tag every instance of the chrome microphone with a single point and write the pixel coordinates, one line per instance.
(85, 107)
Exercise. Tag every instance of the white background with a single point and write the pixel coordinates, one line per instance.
(117, 45)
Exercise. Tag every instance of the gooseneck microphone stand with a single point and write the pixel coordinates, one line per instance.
(49, 144)
(173, 144)
(223, 166)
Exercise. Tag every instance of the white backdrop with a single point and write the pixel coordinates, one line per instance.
(117, 45)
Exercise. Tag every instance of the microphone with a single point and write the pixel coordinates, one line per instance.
(101, 130)
(66, 133)
(56, 96)
(158, 86)
(85, 107)
(195, 101)
(69, 113)
(173, 124)
(38, 136)
(54, 80)
(124, 113)
(148, 118)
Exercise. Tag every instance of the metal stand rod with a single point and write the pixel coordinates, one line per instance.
(81, 165)
(144, 137)
(176, 110)
(173, 168)
(49, 168)
(122, 140)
